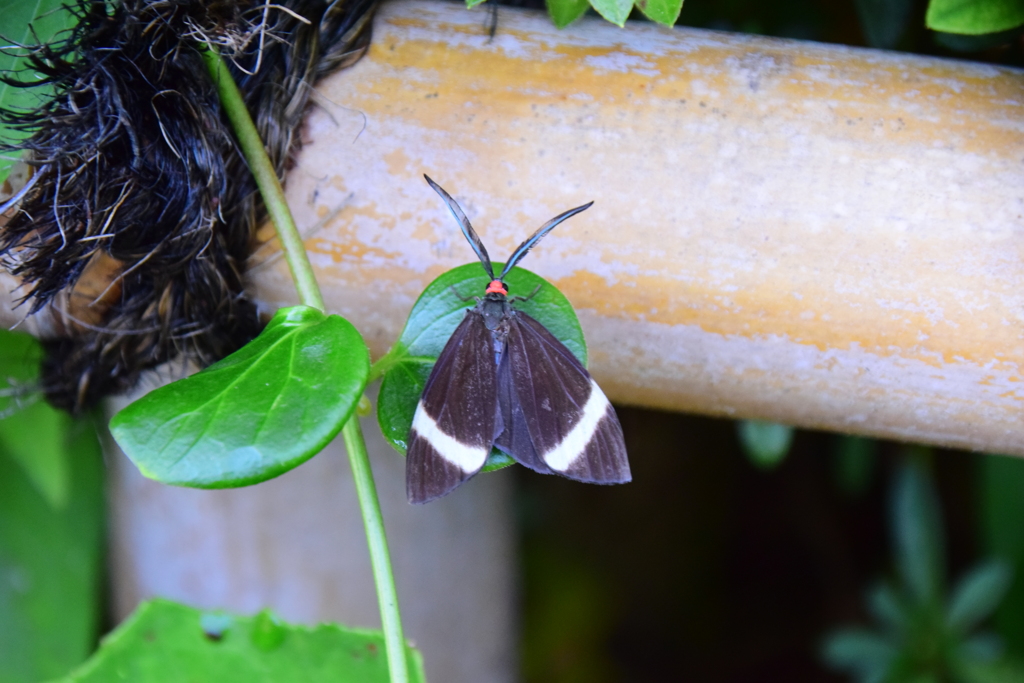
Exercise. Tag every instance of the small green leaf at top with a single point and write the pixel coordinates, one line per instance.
(974, 17)
(564, 12)
(765, 443)
(433, 319)
(258, 413)
(164, 642)
(665, 12)
(470, 4)
(615, 11)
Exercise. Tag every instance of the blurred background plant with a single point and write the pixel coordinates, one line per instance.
(925, 633)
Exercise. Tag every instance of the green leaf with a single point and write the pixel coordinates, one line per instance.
(470, 4)
(564, 12)
(865, 654)
(855, 463)
(977, 595)
(765, 443)
(662, 11)
(984, 647)
(986, 41)
(32, 433)
(917, 532)
(25, 22)
(886, 606)
(164, 642)
(1003, 671)
(974, 17)
(615, 11)
(258, 413)
(1001, 481)
(433, 319)
(884, 21)
(51, 565)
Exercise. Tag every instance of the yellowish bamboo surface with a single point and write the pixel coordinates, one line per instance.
(819, 235)
(823, 236)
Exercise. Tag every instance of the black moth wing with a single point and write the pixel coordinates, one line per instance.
(454, 424)
(556, 419)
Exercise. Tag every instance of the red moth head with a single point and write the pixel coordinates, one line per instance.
(497, 287)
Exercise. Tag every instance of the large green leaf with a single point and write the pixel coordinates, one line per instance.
(564, 12)
(32, 433)
(974, 17)
(164, 642)
(434, 317)
(25, 22)
(256, 414)
(50, 564)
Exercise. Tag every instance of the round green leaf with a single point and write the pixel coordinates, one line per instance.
(258, 413)
(433, 319)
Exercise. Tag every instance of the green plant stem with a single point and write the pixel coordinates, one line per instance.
(390, 617)
(309, 294)
(266, 179)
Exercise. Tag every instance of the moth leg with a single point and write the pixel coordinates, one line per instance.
(527, 297)
(465, 298)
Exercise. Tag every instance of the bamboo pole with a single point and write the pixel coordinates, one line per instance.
(819, 235)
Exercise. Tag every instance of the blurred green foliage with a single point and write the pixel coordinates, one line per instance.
(765, 443)
(1001, 517)
(51, 527)
(855, 460)
(926, 633)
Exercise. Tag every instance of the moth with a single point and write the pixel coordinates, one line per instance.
(504, 381)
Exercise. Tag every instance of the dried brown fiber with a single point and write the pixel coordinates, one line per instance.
(143, 212)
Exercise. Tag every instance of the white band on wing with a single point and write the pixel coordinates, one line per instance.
(465, 457)
(562, 456)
